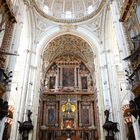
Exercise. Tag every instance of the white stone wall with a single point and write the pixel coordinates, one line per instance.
(21, 64)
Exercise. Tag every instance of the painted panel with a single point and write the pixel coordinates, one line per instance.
(52, 82)
(51, 116)
(68, 77)
(85, 116)
(84, 82)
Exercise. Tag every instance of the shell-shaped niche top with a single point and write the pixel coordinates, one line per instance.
(68, 11)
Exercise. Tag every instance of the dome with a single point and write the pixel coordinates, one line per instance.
(68, 10)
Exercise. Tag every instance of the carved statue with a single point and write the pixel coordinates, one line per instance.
(135, 108)
(90, 83)
(5, 78)
(25, 127)
(110, 127)
(46, 83)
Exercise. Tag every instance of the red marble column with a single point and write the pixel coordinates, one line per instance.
(6, 42)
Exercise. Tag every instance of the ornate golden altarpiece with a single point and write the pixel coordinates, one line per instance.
(67, 101)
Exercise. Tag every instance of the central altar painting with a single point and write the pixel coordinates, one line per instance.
(68, 77)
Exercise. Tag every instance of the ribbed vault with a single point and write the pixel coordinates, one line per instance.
(68, 45)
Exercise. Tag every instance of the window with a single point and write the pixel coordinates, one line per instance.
(46, 9)
(90, 9)
(68, 14)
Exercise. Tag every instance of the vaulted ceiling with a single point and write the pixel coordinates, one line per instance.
(66, 45)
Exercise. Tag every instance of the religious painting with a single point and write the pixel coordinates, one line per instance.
(84, 82)
(68, 77)
(51, 116)
(52, 82)
(68, 123)
(85, 116)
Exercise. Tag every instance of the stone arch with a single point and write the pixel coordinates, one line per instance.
(95, 45)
